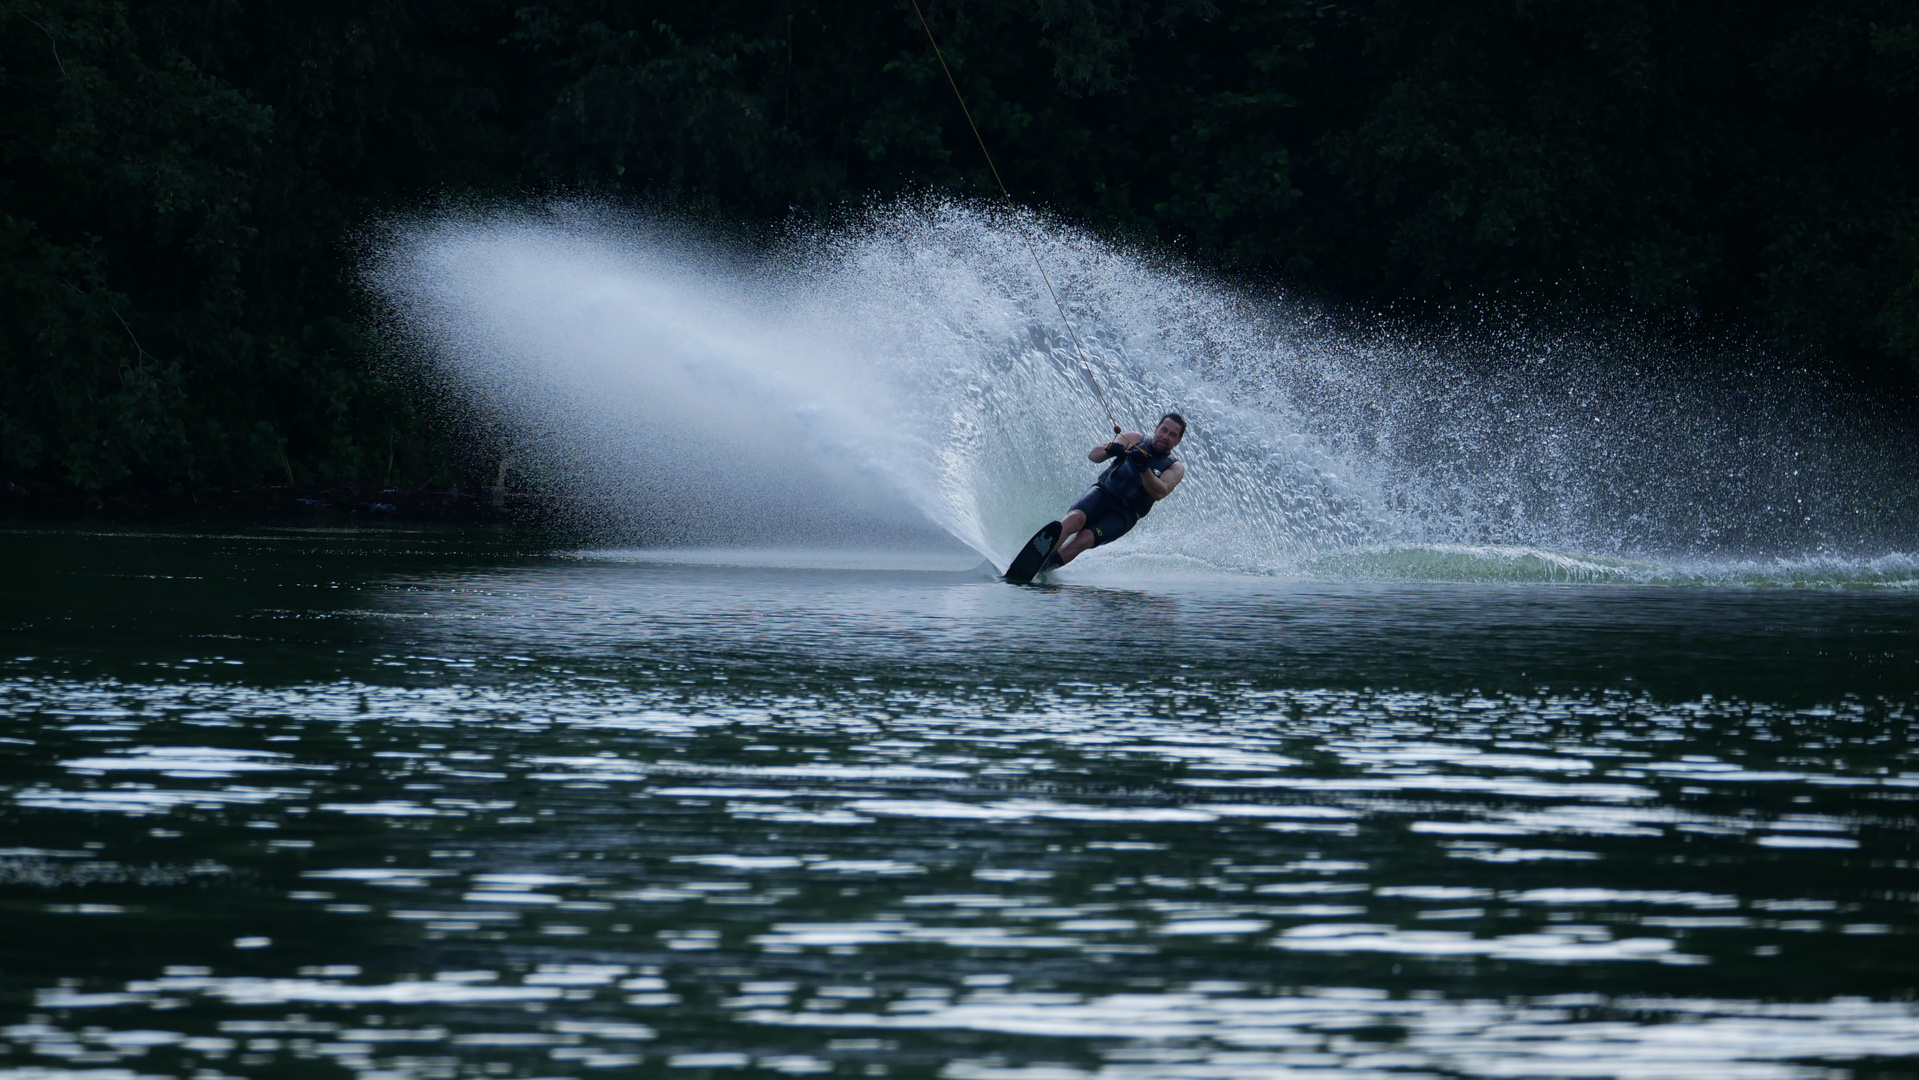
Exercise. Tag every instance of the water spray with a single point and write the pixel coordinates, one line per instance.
(883, 385)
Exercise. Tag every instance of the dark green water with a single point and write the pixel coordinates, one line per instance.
(415, 805)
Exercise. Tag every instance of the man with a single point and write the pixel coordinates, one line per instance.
(1140, 474)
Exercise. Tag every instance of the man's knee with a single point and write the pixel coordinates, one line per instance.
(1074, 521)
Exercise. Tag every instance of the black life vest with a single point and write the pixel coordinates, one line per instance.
(1121, 480)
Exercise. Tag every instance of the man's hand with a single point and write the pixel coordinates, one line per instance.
(1116, 449)
(1138, 457)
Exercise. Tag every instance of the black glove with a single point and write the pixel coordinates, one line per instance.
(1115, 450)
(1138, 457)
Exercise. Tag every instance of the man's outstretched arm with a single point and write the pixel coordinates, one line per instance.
(1104, 451)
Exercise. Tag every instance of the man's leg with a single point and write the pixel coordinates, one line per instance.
(1074, 548)
(1110, 525)
(1072, 525)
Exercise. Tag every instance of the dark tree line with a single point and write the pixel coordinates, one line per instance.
(182, 177)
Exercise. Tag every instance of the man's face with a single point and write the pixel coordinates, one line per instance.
(1167, 435)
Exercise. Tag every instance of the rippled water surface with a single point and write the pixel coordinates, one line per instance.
(418, 805)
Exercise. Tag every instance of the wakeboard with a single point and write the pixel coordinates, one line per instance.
(1031, 558)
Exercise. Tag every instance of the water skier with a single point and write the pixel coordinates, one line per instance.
(1141, 473)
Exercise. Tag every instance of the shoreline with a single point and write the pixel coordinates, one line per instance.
(282, 504)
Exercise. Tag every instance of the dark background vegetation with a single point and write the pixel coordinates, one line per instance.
(182, 178)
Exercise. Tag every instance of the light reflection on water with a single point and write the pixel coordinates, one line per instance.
(547, 817)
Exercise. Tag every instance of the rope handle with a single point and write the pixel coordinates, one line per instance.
(1084, 364)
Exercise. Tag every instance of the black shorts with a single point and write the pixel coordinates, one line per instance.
(1108, 519)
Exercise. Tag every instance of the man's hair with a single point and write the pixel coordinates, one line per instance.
(1175, 418)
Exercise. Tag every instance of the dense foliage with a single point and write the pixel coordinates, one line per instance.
(177, 302)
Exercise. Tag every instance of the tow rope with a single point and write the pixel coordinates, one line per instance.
(1085, 365)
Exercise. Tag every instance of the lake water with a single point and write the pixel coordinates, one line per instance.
(395, 805)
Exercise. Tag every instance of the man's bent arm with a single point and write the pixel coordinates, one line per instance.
(1161, 485)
